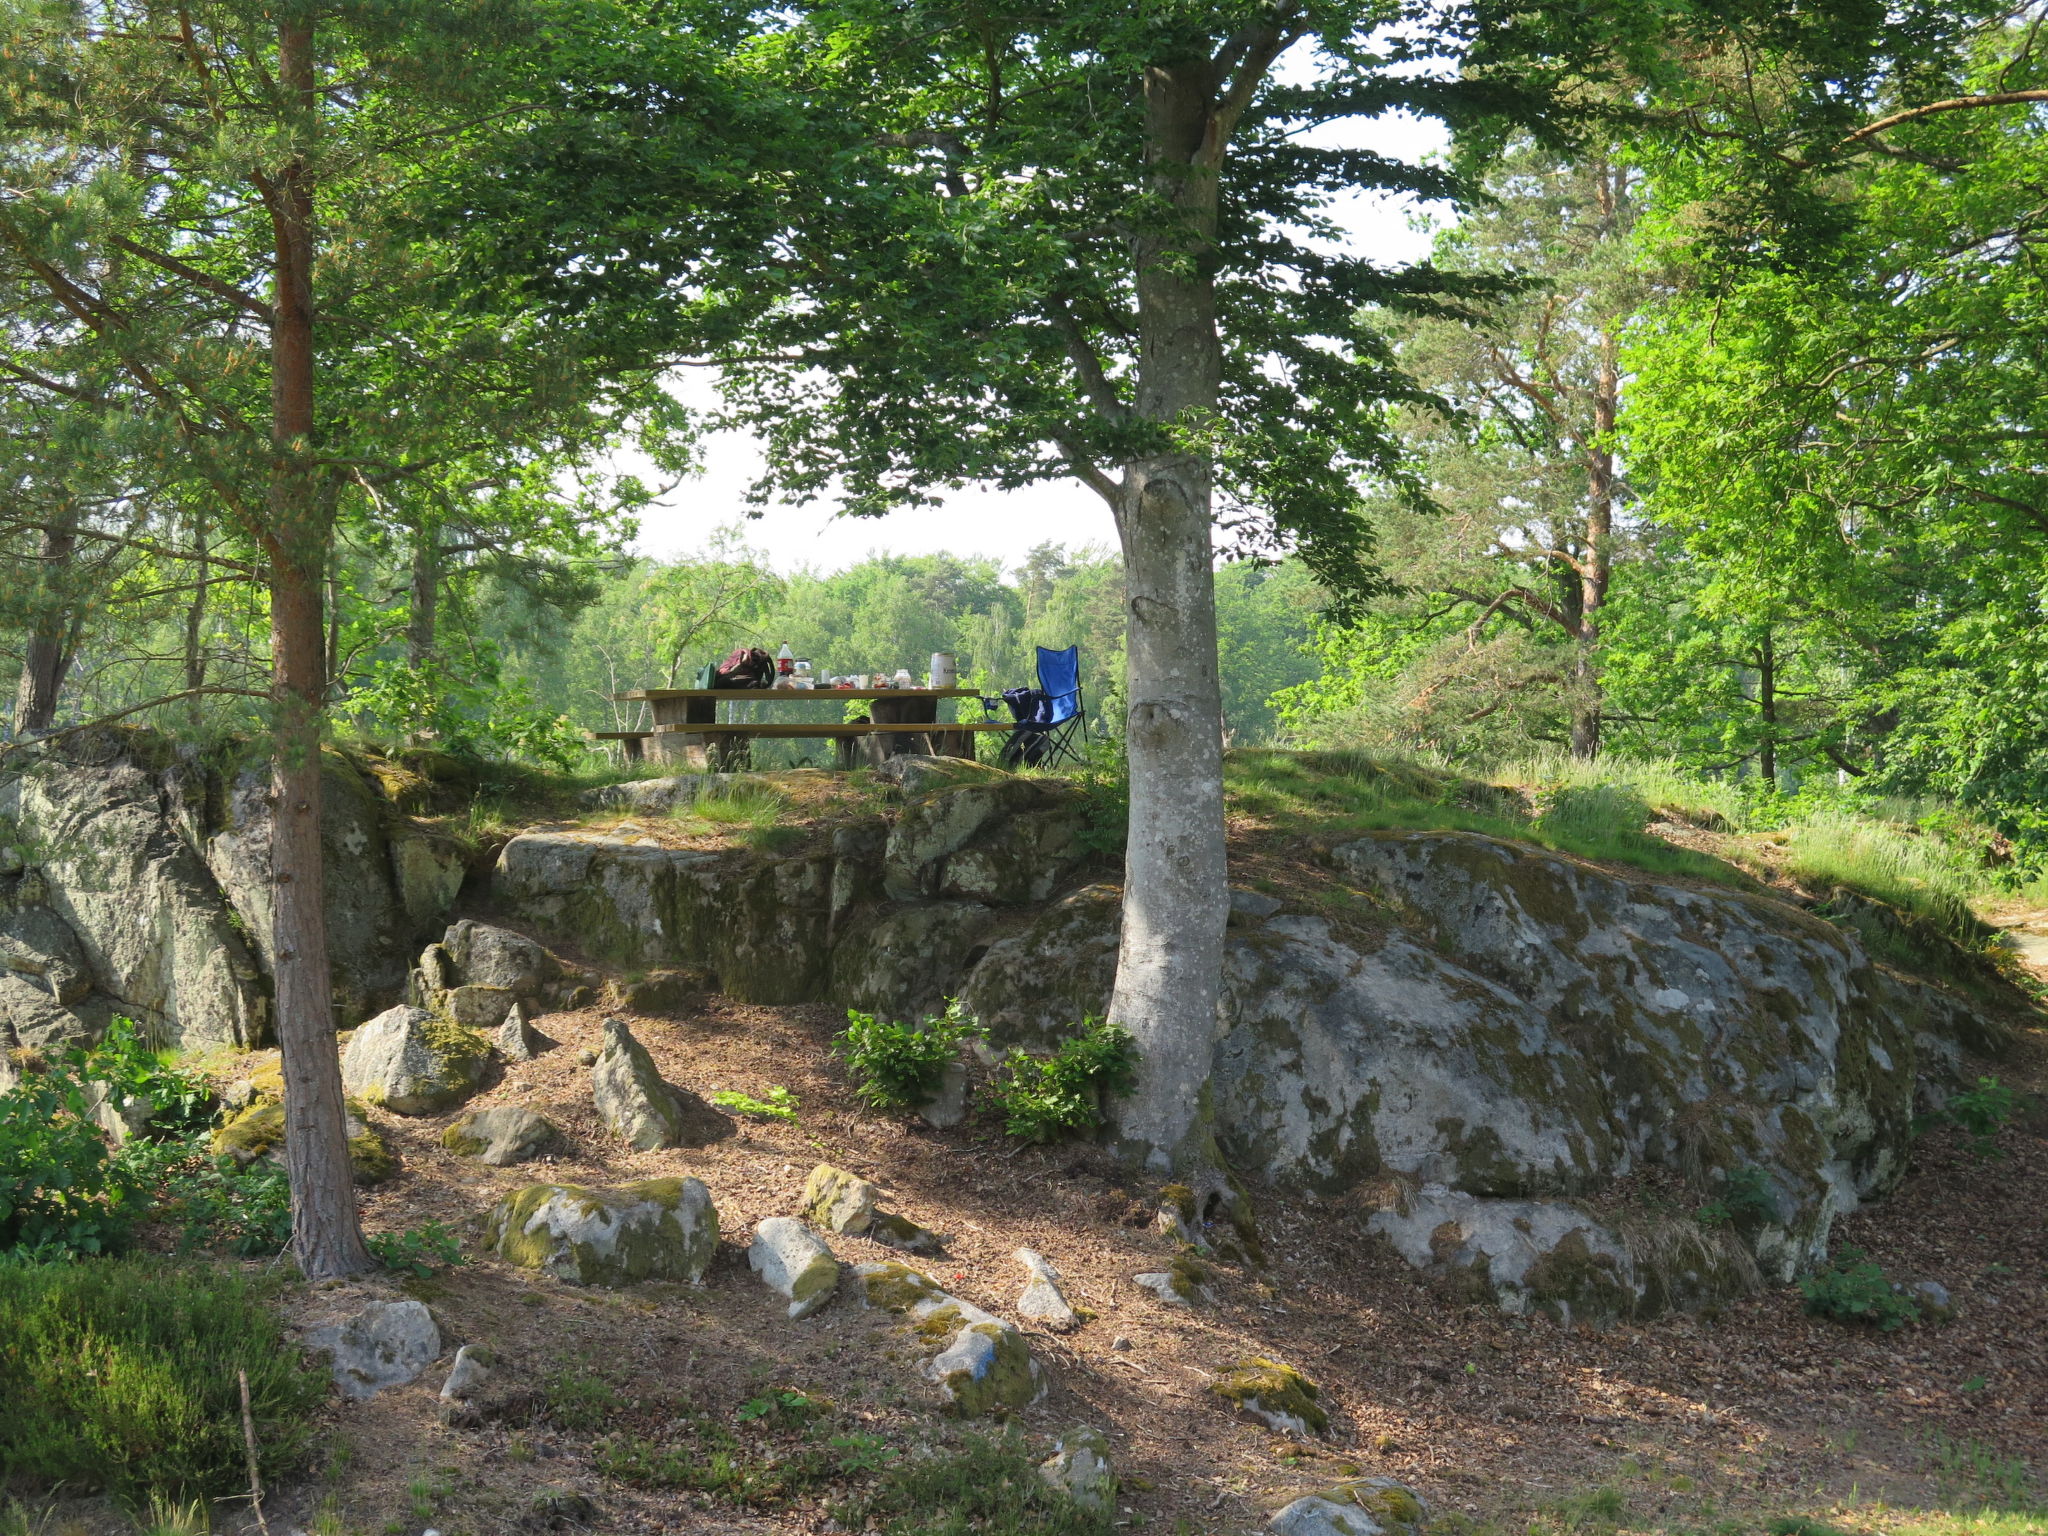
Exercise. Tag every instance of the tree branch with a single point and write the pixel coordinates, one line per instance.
(1952, 104)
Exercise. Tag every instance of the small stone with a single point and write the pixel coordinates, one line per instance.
(469, 1372)
(792, 1259)
(1933, 1299)
(516, 1039)
(893, 1231)
(838, 1201)
(501, 1136)
(587, 1057)
(1366, 1506)
(948, 1107)
(639, 1107)
(1079, 1468)
(387, 1344)
(985, 1365)
(1277, 1395)
(497, 957)
(1181, 1284)
(1253, 906)
(1121, 1341)
(1042, 1300)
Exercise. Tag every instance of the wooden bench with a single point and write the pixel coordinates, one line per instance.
(728, 741)
(636, 742)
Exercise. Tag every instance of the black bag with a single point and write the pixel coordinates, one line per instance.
(746, 667)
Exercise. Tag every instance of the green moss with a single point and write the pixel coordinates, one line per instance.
(251, 1134)
(1393, 1507)
(1009, 1381)
(462, 1050)
(1187, 1274)
(457, 1139)
(1572, 1281)
(898, 1287)
(901, 1232)
(370, 1159)
(1263, 1387)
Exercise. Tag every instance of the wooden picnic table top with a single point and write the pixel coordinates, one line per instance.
(641, 695)
(829, 728)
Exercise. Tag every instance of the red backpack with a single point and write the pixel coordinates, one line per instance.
(746, 667)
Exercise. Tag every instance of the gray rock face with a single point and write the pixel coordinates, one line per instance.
(1079, 1467)
(1536, 1029)
(109, 862)
(29, 1016)
(413, 1063)
(481, 1008)
(793, 1260)
(659, 1229)
(501, 1136)
(39, 946)
(387, 1344)
(1042, 1301)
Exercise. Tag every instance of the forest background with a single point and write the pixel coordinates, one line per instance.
(1687, 488)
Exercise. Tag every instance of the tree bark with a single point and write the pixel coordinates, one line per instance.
(422, 613)
(1170, 960)
(1596, 563)
(326, 1237)
(46, 657)
(195, 614)
(1767, 708)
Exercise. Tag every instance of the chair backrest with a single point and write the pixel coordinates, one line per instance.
(1059, 674)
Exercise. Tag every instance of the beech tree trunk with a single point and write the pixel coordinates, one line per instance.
(46, 656)
(422, 612)
(1176, 901)
(326, 1237)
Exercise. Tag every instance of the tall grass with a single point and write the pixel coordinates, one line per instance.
(752, 812)
(1660, 783)
(1906, 869)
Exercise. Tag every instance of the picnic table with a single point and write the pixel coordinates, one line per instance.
(687, 725)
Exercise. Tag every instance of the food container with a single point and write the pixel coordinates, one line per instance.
(945, 671)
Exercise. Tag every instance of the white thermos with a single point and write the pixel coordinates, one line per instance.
(944, 671)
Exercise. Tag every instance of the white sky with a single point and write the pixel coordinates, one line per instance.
(1002, 524)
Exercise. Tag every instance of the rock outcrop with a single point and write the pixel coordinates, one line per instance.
(501, 1135)
(659, 1229)
(136, 883)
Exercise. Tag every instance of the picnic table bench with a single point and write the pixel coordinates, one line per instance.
(686, 723)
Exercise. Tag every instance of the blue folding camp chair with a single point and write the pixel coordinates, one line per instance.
(1049, 717)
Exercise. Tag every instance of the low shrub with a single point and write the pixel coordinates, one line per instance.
(1745, 1200)
(988, 1485)
(1982, 1112)
(120, 1375)
(61, 1191)
(417, 1251)
(211, 1201)
(901, 1066)
(1855, 1290)
(1046, 1099)
(780, 1104)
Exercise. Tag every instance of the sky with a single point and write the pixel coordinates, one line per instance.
(1004, 525)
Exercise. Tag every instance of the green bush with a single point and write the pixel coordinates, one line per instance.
(1982, 1112)
(180, 1102)
(900, 1066)
(417, 1251)
(61, 1192)
(1061, 1095)
(120, 1375)
(990, 1486)
(1855, 1290)
(1745, 1200)
(211, 1201)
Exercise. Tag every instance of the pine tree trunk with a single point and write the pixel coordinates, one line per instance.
(326, 1238)
(1767, 708)
(1170, 962)
(1597, 563)
(422, 611)
(195, 616)
(46, 656)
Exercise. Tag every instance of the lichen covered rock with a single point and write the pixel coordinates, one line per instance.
(487, 956)
(1079, 1467)
(983, 1365)
(1042, 1300)
(1183, 1282)
(501, 1136)
(516, 1039)
(412, 1062)
(386, 1344)
(839, 1201)
(792, 1259)
(1366, 1506)
(659, 1229)
(1277, 1395)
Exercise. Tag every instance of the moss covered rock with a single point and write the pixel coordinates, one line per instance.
(413, 1062)
(1277, 1395)
(660, 1229)
(839, 1201)
(1079, 1467)
(258, 1131)
(501, 1136)
(641, 1109)
(982, 1364)
(1366, 1506)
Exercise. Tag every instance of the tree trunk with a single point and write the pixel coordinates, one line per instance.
(421, 612)
(46, 656)
(1170, 961)
(1767, 707)
(195, 616)
(1596, 562)
(326, 1238)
